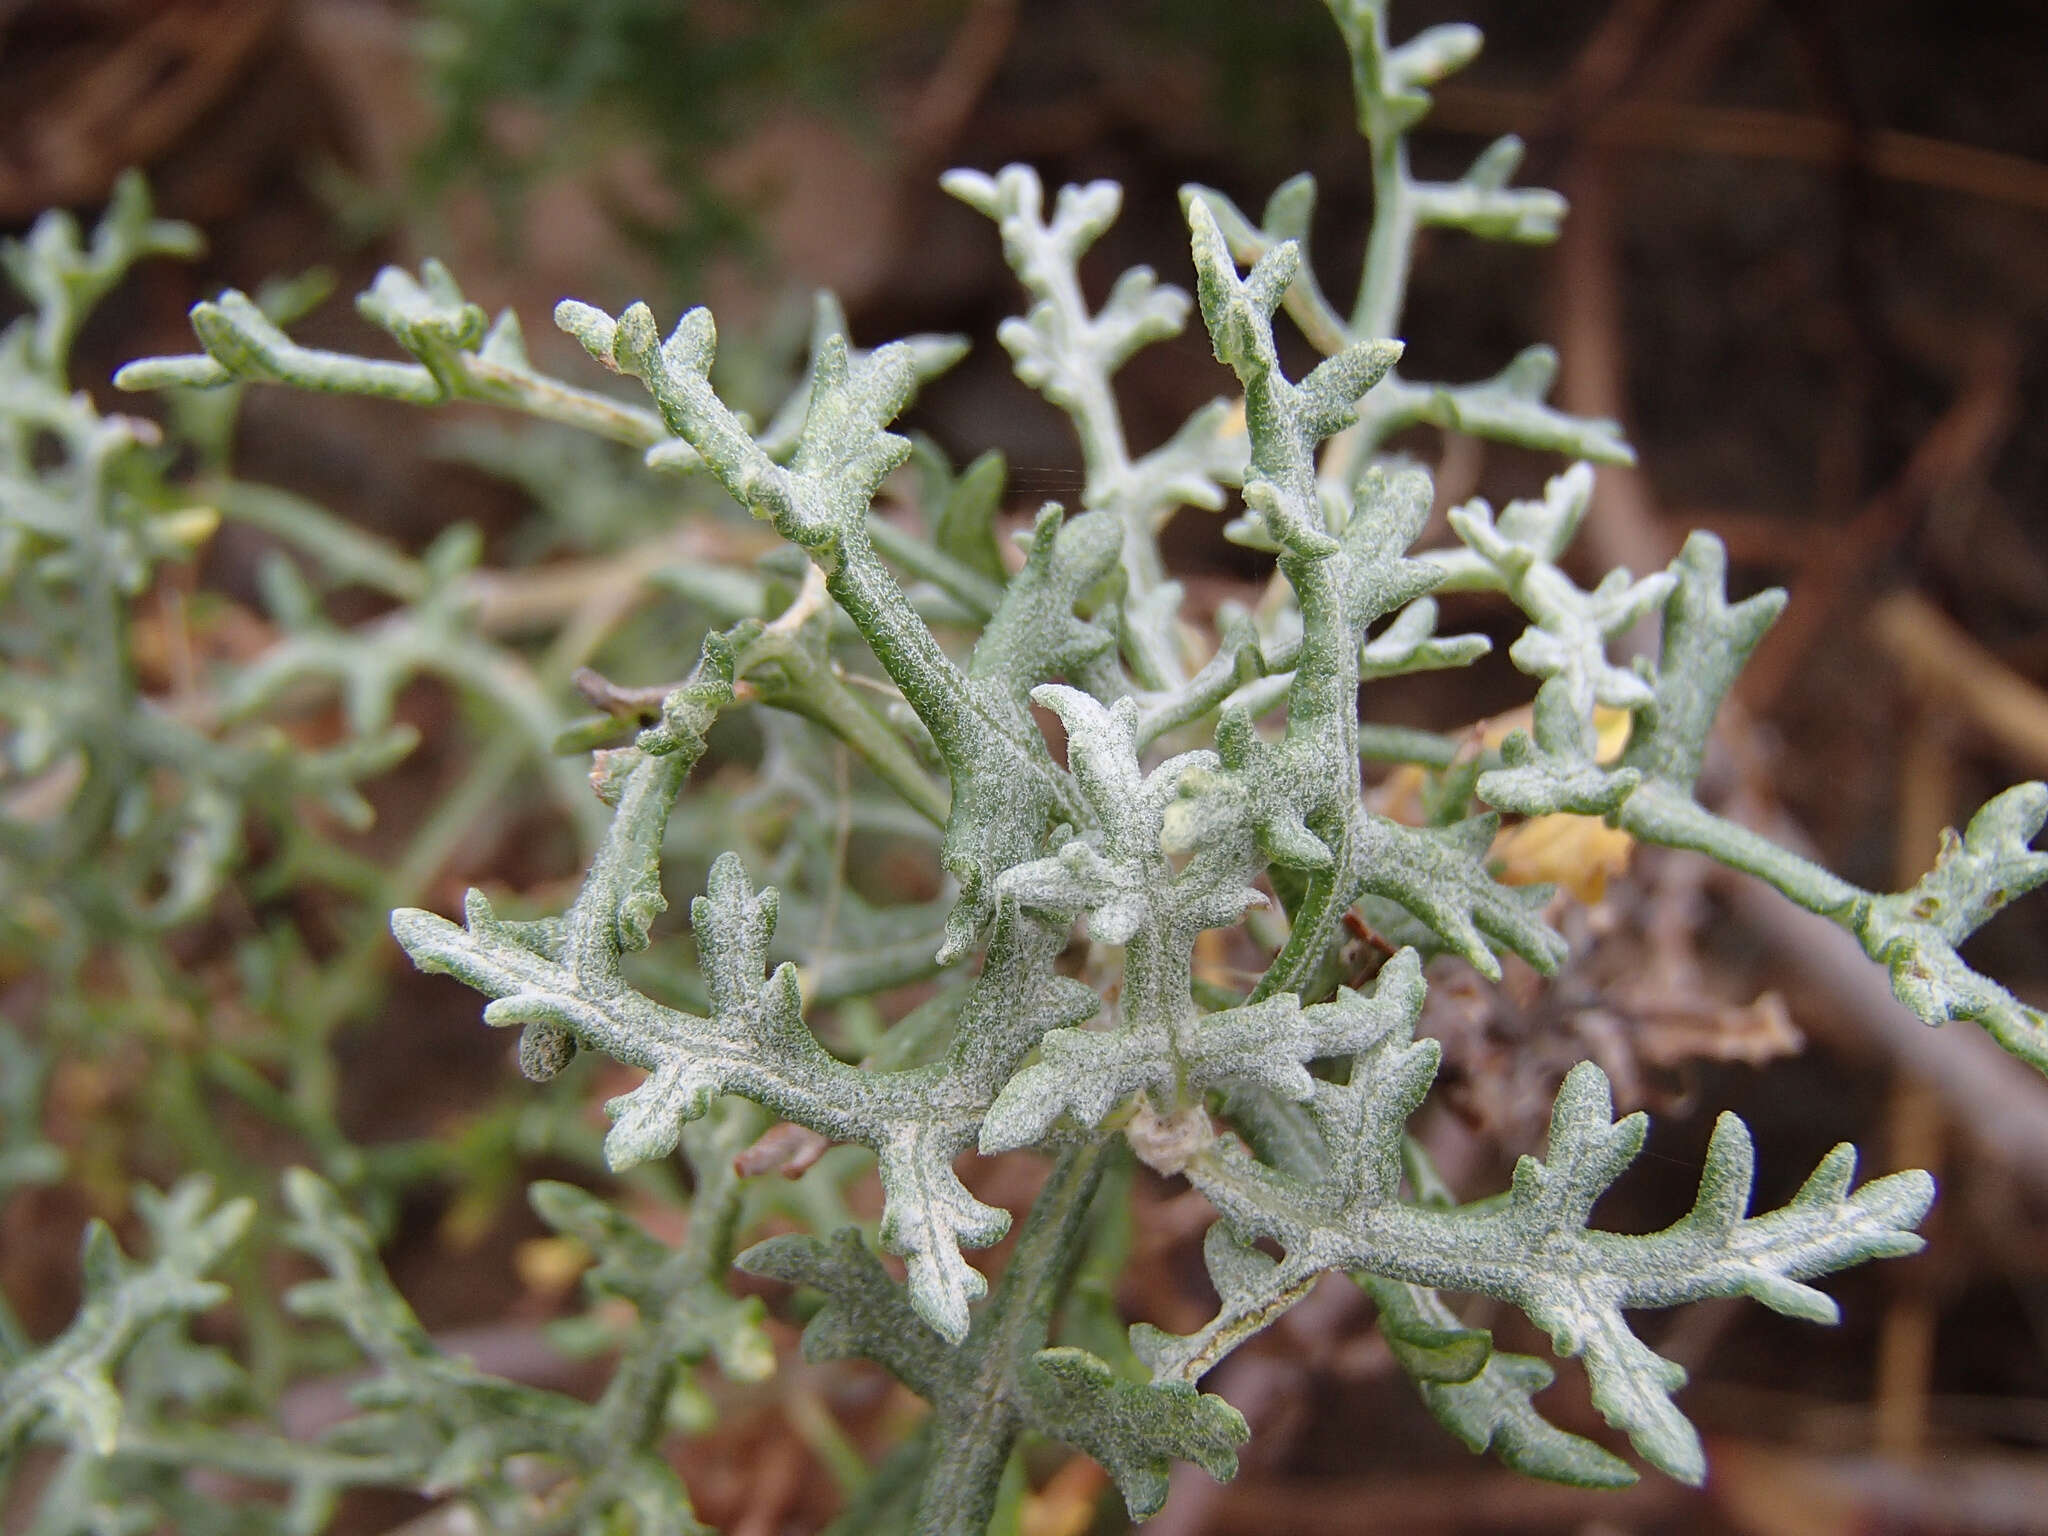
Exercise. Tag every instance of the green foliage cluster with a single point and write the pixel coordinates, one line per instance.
(882, 676)
(684, 80)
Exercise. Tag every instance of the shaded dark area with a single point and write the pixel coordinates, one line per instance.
(1807, 267)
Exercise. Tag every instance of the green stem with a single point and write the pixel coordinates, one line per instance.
(344, 549)
(182, 1107)
(977, 1427)
(551, 400)
(1403, 744)
(263, 354)
(884, 1502)
(264, 1458)
(935, 688)
(348, 985)
(965, 585)
(1655, 814)
(865, 972)
(629, 1412)
(820, 697)
(1322, 725)
(1389, 248)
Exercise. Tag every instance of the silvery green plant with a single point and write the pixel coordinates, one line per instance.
(136, 805)
(1204, 781)
(120, 814)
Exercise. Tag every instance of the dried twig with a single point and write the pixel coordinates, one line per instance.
(1645, 124)
(1996, 1103)
(1940, 662)
(1965, 435)
(130, 98)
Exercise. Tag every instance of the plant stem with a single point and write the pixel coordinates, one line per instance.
(977, 1428)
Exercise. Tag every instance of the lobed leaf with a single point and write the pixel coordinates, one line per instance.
(1485, 1396)
(69, 1382)
(1536, 1251)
